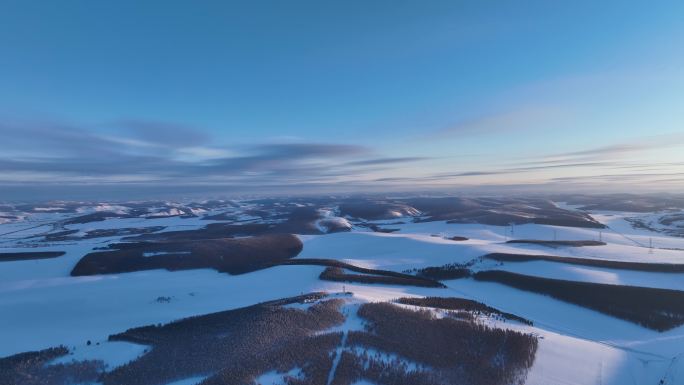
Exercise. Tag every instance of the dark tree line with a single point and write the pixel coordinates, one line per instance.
(453, 303)
(229, 255)
(558, 243)
(447, 271)
(376, 228)
(658, 309)
(20, 256)
(31, 369)
(415, 281)
(621, 265)
(339, 275)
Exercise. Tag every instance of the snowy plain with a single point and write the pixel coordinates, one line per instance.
(42, 306)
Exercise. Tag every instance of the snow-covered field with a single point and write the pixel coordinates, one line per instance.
(42, 306)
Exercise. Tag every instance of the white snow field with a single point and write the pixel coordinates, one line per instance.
(42, 306)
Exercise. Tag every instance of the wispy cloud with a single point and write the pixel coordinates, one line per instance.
(386, 161)
(58, 154)
(510, 120)
(151, 152)
(613, 151)
(166, 134)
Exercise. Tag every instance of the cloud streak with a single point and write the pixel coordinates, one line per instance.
(517, 120)
(614, 151)
(154, 152)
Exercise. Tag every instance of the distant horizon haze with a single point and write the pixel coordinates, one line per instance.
(156, 99)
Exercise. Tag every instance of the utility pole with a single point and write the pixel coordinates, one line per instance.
(555, 235)
(600, 236)
(650, 245)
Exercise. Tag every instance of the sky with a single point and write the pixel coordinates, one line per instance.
(134, 98)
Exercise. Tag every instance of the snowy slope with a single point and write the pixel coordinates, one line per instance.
(42, 306)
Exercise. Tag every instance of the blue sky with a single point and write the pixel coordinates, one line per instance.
(307, 96)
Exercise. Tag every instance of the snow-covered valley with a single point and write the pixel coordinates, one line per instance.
(43, 305)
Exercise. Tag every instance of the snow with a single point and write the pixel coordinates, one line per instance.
(330, 221)
(596, 274)
(619, 224)
(47, 209)
(171, 223)
(324, 225)
(189, 381)
(565, 360)
(156, 253)
(16, 272)
(577, 345)
(380, 250)
(113, 353)
(92, 309)
(414, 246)
(389, 358)
(275, 378)
(4, 218)
(117, 209)
(166, 213)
